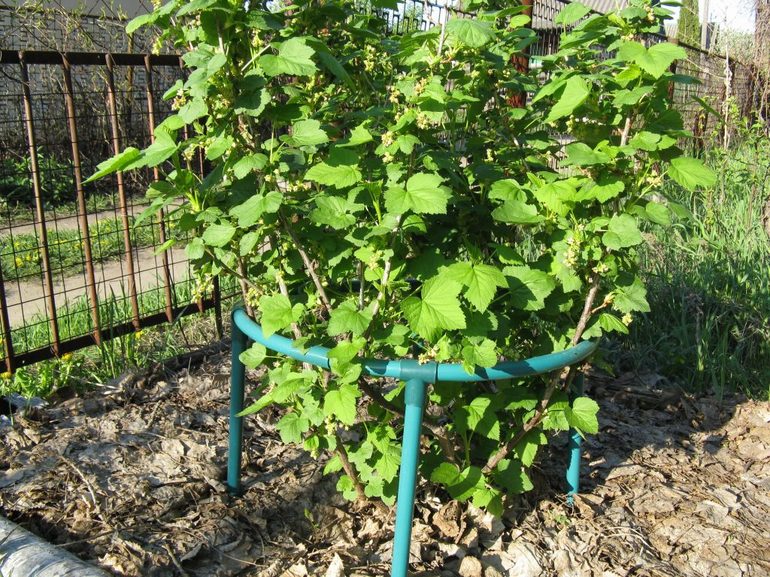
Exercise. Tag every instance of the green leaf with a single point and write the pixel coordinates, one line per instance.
(308, 133)
(114, 164)
(658, 213)
(277, 313)
(253, 356)
(218, 235)
(438, 309)
(291, 427)
(526, 450)
(388, 463)
(479, 417)
(611, 323)
(341, 403)
(249, 164)
(575, 93)
(511, 475)
(469, 32)
(517, 212)
(347, 318)
(529, 287)
(631, 298)
(481, 282)
(340, 170)
(193, 110)
(424, 194)
(582, 415)
(358, 136)
(334, 211)
(622, 232)
(655, 60)
(158, 152)
(483, 354)
(293, 58)
(691, 173)
(580, 154)
(489, 499)
(571, 13)
(250, 211)
(462, 485)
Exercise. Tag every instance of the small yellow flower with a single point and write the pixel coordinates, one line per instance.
(19, 262)
(627, 318)
(138, 334)
(66, 357)
(6, 375)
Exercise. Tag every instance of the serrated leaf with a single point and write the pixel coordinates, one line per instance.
(461, 485)
(253, 356)
(511, 475)
(308, 133)
(481, 282)
(691, 173)
(571, 13)
(249, 164)
(218, 235)
(622, 232)
(293, 58)
(655, 60)
(250, 211)
(526, 450)
(114, 164)
(611, 323)
(575, 93)
(358, 136)
(517, 212)
(631, 298)
(193, 110)
(529, 287)
(276, 312)
(340, 170)
(580, 154)
(388, 463)
(347, 488)
(291, 427)
(582, 415)
(334, 211)
(469, 32)
(483, 354)
(347, 318)
(437, 308)
(341, 403)
(479, 417)
(424, 194)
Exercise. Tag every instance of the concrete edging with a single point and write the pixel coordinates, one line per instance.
(23, 554)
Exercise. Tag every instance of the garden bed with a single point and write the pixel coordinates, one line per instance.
(131, 478)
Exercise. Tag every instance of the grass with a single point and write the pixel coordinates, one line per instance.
(709, 284)
(95, 365)
(21, 256)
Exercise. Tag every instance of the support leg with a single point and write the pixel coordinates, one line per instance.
(407, 480)
(237, 379)
(575, 452)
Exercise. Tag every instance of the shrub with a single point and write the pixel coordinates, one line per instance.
(380, 195)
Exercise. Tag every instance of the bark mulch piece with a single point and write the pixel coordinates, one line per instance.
(131, 478)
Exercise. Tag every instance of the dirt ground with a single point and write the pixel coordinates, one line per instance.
(131, 478)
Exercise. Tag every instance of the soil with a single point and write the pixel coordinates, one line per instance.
(130, 477)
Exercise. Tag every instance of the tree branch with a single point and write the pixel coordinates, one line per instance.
(308, 265)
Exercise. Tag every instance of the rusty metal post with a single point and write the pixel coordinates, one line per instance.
(82, 208)
(42, 233)
(10, 359)
(521, 61)
(127, 244)
(217, 296)
(156, 176)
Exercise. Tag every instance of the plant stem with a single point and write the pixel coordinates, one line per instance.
(386, 272)
(351, 472)
(308, 265)
(285, 292)
(553, 384)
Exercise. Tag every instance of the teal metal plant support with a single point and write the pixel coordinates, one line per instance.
(417, 377)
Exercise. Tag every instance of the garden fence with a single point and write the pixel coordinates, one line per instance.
(73, 267)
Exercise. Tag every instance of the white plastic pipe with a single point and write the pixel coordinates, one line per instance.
(23, 554)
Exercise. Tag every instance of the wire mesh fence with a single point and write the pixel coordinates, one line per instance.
(74, 268)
